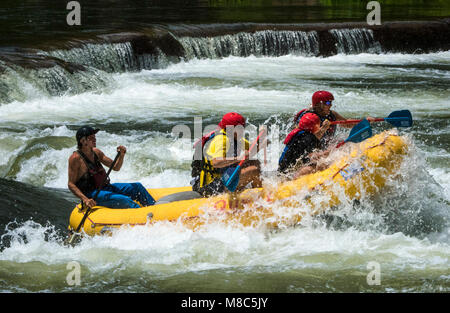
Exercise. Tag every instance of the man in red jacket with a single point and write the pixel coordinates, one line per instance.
(299, 155)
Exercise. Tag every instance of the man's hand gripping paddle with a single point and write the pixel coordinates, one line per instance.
(231, 176)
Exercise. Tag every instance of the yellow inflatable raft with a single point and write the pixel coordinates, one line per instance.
(364, 168)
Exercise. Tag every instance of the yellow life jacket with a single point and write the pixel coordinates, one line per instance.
(215, 148)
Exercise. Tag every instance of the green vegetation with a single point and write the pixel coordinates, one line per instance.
(28, 21)
(295, 11)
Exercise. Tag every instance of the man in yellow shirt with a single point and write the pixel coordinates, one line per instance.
(221, 152)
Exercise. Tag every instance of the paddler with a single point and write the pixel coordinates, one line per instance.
(86, 174)
(221, 152)
(303, 147)
(321, 106)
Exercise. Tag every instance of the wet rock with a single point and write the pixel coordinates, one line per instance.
(30, 59)
(414, 37)
(149, 42)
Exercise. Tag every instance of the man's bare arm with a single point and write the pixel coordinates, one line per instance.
(108, 162)
(341, 118)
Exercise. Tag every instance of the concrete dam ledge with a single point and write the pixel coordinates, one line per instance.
(182, 41)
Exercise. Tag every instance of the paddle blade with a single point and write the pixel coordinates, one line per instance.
(231, 178)
(402, 118)
(72, 239)
(360, 132)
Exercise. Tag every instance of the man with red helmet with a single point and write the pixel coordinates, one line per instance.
(220, 153)
(321, 106)
(300, 144)
(314, 131)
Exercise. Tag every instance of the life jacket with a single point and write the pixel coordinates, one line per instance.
(199, 163)
(94, 177)
(297, 131)
(330, 131)
(201, 166)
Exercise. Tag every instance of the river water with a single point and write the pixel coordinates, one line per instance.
(404, 228)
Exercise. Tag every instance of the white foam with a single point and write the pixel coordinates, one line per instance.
(177, 249)
(442, 176)
(267, 85)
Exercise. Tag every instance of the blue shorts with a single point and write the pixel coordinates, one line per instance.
(121, 196)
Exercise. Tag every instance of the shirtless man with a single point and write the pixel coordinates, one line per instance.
(86, 175)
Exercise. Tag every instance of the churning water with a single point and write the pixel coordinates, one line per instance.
(404, 228)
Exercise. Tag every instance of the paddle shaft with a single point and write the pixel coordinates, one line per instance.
(97, 192)
(396, 118)
(245, 157)
(346, 140)
(356, 131)
(373, 120)
(355, 121)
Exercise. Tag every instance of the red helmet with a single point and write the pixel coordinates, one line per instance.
(232, 119)
(309, 121)
(320, 96)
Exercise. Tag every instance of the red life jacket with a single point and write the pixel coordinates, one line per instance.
(291, 135)
(205, 138)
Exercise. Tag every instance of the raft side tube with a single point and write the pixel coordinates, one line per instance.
(179, 196)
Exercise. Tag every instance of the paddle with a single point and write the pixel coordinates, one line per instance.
(73, 235)
(400, 118)
(360, 132)
(231, 176)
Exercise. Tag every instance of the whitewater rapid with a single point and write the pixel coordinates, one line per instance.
(405, 228)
